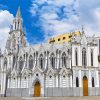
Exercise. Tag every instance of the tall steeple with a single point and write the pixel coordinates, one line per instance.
(18, 14)
(16, 38)
(17, 22)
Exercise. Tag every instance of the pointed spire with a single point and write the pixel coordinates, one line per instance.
(18, 15)
(83, 30)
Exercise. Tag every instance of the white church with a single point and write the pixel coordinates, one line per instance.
(70, 69)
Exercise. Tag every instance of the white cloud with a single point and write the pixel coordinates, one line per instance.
(49, 16)
(6, 19)
(59, 16)
(89, 16)
(96, 13)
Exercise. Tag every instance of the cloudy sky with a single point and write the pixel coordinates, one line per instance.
(43, 19)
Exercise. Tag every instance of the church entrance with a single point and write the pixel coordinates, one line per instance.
(37, 89)
(85, 86)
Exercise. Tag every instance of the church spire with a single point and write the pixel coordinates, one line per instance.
(17, 22)
(16, 38)
(18, 14)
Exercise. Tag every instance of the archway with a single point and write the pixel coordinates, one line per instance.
(37, 89)
(85, 86)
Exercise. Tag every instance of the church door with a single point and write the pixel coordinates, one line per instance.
(37, 89)
(85, 86)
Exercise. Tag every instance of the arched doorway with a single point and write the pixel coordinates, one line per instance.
(37, 89)
(85, 86)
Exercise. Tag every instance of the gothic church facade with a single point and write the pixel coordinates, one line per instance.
(67, 69)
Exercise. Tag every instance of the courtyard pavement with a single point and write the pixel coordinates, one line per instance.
(51, 98)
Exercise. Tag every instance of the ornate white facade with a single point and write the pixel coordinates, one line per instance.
(60, 70)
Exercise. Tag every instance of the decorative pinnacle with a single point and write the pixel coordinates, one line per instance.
(83, 29)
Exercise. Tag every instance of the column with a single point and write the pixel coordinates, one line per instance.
(3, 83)
(46, 58)
(89, 79)
(8, 83)
(80, 79)
(97, 79)
(56, 80)
(58, 59)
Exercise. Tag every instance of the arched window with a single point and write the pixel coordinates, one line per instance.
(76, 57)
(15, 25)
(18, 26)
(41, 61)
(13, 61)
(77, 82)
(52, 58)
(84, 59)
(5, 62)
(91, 57)
(21, 62)
(92, 81)
(30, 62)
(64, 62)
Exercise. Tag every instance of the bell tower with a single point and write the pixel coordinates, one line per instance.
(17, 22)
(16, 38)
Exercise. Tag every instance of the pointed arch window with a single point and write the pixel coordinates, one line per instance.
(30, 62)
(14, 61)
(18, 25)
(84, 58)
(77, 82)
(5, 62)
(15, 25)
(21, 63)
(91, 57)
(64, 62)
(41, 60)
(93, 85)
(76, 57)
(52, 58)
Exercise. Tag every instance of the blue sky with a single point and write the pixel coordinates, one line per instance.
(43, 19)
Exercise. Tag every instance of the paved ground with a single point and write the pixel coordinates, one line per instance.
(52, 98)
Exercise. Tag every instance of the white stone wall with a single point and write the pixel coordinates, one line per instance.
(64, 82)
(88, 48)
(48, 76)
(24, 83)
(50, 82)
(89, 75)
